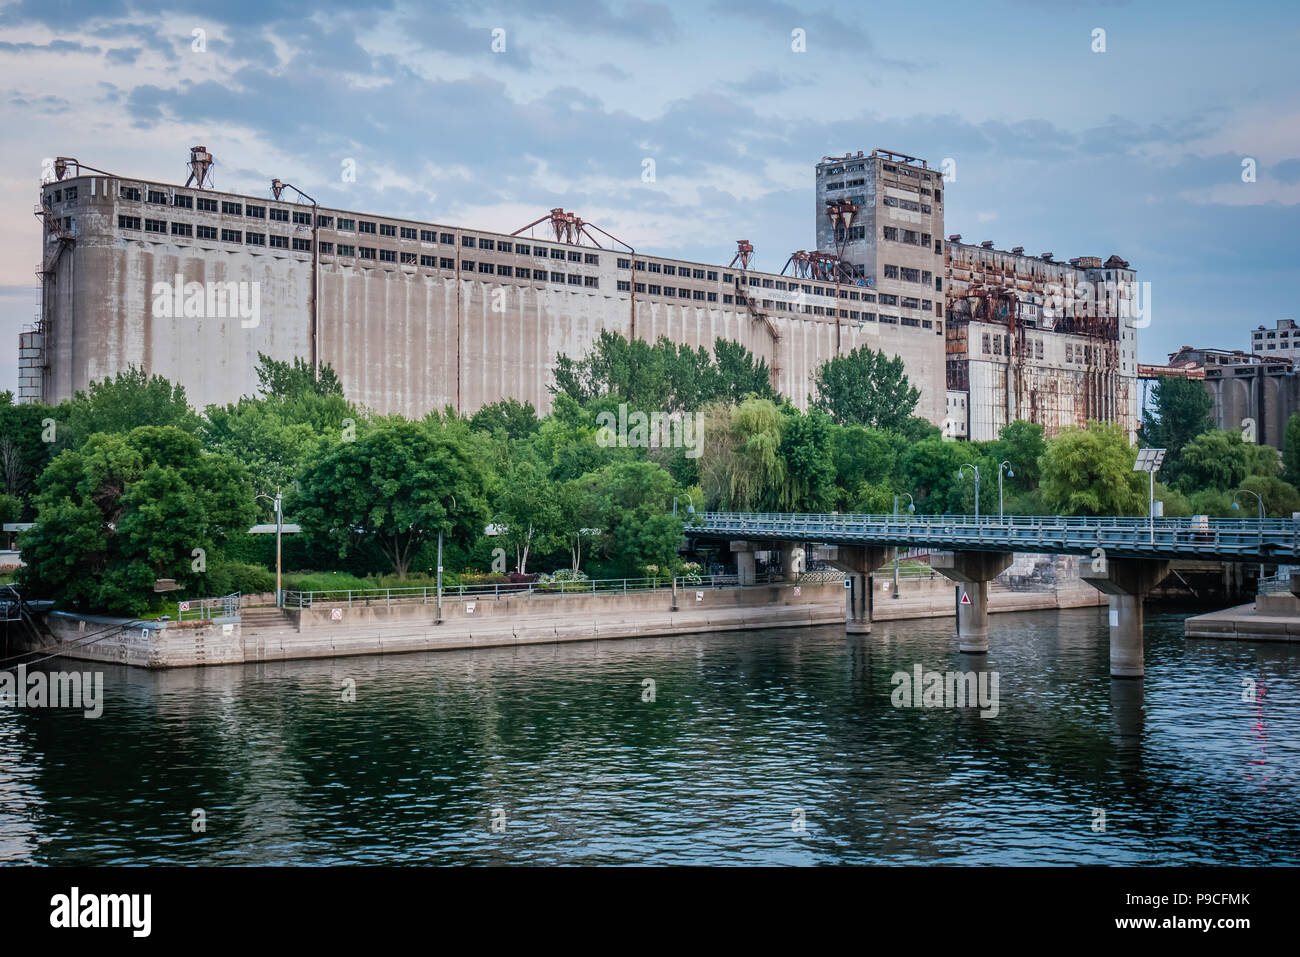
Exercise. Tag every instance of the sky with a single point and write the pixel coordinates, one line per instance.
(681, 127)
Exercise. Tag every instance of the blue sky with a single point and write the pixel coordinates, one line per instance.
(1136, 150)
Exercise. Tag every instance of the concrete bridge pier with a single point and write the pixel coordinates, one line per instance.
(746, 566)
(1126, 581)
(858, 562)
(972, 571)
(792, 559)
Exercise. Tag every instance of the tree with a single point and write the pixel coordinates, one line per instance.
(1021, 444)
(1216, 459)
(527, 510)
(631, 504)
(929, 472)
(287, 380)
(1089, 471)
(1281, 499)
(1180, 412)
(395, 487)
(1291, 449)
(24, 444)
(741, 466)
(512, 418)
(117, 405)
(861, 455)
(865, 388)
(808, 456)
(124, 510)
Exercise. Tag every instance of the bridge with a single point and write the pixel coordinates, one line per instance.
(1129, 556)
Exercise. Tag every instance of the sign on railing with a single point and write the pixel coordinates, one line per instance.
(201, 609)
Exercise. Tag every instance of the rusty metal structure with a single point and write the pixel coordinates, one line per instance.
(740, 262)
(200, 165)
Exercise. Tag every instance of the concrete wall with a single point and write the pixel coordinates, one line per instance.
(409, 337)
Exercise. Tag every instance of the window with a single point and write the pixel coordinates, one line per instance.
(182, 229)
(205, 205)
(540, 251)
(938, 284)
(256, 212)
(429, 262)
(232, 209)
(713, 276)
(278, 215)
(656, 290)
(665, 270)
(683, 293)
(727, 298)
(727, 277)
(366, 227)
(624, 263)
(640, 287)
(523, 250)
(911, 322)
(891, 233)
(575, 280)
(888, 300)
(670, 290)
(910, 303)
(159, 197)
(129, 192)
(591, 282)
(447, 239)
(574, 256)
(346, 225)
(697, 294)
(891, 272)
(408, 259)
(505, 270)
(325, 222)
(446, 262)
(347, 249)
(366, 252)
(387, 230)
(624, 286)
(467, 241)
(591, 259)
(408, 233)
(466, 265)
(70, 194)
(302, 245)
(697, 273)
(557, 277)
(912, 275)
(210, 232)
(255, 239)
(488, 268)
(155, 226)
(301, 219)
(183, 201)
(428, 236)
(279, 242)
(327, 249)
(539, 274)
(232, 236)
(503, 246)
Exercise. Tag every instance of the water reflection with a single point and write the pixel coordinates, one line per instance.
(748, 735)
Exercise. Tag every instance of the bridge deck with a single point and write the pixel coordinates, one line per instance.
(1269, 540)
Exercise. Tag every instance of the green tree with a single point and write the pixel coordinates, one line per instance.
(395, 487)
(631, 505)
(117, 405)
(1089, 471)
(1291, 449)
(861, 455)
(527, 510)
(929, 472)
(1021, 444)
(124, 510)
(809, 461)
(1180, 411)
(287, 380)
(24, 449)
(1281, 499)
(1216, 459)
(741, 465)
(510, 417)
(865, 388)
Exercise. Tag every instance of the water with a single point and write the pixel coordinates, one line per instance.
(746, 730)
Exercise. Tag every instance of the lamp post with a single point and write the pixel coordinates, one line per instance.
(911, 507)
(1149, 461)
(976, 469)
(1010, 474)
(279, 530)
(690, 506)
(453, 505)
(1236, 506)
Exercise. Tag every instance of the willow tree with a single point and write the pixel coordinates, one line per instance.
(741, 466)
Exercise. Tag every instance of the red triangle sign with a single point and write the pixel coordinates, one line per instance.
(965, 598)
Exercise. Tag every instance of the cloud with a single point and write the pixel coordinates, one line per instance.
(1287, 171)
(123, 56)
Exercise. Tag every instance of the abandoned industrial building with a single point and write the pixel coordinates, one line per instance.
(191, 284)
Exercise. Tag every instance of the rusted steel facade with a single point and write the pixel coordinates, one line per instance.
(1048, 342)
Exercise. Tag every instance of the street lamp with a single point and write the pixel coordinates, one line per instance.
(279, 530)
(1149, 461)
(911, 507)
(968, 465)
(453, 505)
(690, 507)
(1236, 507)
(1010, 474)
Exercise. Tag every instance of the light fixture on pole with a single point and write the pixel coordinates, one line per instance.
(911, 507)
(1149, 461)
(1010, 474)
(1236, 506)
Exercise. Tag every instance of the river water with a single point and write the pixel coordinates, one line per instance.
(768, 747)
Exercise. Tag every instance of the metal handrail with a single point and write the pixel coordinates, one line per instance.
(200, 609)
(592, 586)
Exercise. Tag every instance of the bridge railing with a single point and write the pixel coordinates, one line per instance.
(854, 519)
